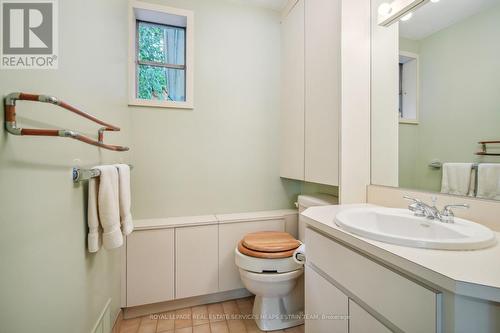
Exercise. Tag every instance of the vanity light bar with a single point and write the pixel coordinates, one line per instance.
(399, 9)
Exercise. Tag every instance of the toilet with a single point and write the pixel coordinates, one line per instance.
(268, 270)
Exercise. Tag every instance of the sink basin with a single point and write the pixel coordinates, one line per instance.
(401, 227)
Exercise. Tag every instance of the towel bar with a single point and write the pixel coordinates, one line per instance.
(80, 174)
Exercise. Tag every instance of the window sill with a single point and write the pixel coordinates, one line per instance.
(161, 104)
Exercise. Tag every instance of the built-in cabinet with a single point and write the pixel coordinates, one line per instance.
(173, 262)
(340, 281)
(292, 92)
(196, 261)
(311, 95)
(360, 321)
(325, 97)
(150, 266)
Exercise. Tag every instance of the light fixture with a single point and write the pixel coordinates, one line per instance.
(407, 17)
(434, 1)
(385, 9)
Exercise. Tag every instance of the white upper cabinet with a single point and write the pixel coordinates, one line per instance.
(292, 92)
(310, 98)
(322, 91)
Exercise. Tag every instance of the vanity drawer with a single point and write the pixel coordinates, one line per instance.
(406, 304)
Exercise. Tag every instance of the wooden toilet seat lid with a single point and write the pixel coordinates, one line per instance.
(264, 255)
(270, 241)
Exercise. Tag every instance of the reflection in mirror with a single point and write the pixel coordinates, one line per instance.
(408, 87)
(449, 98)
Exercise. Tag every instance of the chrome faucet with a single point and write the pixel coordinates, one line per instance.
(420, 208)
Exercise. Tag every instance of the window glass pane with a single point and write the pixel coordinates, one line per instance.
(160, 83)
(161, 43)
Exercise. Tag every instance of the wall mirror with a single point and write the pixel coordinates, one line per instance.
(436, 96)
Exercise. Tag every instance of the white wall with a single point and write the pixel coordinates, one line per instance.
(355, 114)
(223, 156)
(384, 102)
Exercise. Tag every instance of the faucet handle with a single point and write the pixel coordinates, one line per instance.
(416, 206)
(415, 200)
(447, 215)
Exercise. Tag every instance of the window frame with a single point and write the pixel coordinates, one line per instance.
(160, 15)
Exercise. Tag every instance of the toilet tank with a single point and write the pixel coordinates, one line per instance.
(306, 201)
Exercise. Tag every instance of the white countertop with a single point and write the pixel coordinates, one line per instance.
(469, 273)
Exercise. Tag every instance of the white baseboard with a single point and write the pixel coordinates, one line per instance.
(103, 324)
(143, 310)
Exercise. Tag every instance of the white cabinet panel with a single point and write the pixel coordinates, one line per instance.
(292, 93)
(229, 236)
(322, 90)
(196, 258)
(150, 266)
(361, 321)
(392, 295)
(326, 301)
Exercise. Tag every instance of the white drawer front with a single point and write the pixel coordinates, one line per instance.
(408, 305)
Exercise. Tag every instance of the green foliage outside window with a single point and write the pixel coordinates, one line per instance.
(152, 80)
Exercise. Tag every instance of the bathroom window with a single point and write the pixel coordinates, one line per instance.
(160, 58)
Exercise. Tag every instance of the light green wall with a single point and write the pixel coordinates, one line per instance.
(223, 156)
(460, 103)
(409, 45)
(49, 283)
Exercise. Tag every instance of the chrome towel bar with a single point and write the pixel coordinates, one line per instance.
(80, 174)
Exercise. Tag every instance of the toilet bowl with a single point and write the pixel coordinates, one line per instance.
(268, 270)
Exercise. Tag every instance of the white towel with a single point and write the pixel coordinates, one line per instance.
(488, 181)
(125, 199)
(94, 236)
(107, 207)
(457, 179)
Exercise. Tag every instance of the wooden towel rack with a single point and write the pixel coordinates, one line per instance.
(484, 151)
(11, 126)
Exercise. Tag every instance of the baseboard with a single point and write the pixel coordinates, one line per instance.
(118, 322)
(103, 324)
(143, 310)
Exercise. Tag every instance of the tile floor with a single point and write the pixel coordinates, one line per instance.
(222, 317)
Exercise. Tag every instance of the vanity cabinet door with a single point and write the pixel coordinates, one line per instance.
(361, 321)
(229, 236)
(380, 288)
(196, 258)
(150, 266)
(327, 302)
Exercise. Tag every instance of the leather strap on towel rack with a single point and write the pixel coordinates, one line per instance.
(11, 126)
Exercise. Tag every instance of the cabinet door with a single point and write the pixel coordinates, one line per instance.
(361, 321)
(196, 258)
(292, 93)
(229, 236)
(322, 90)
(327, 302)
(150, 266)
